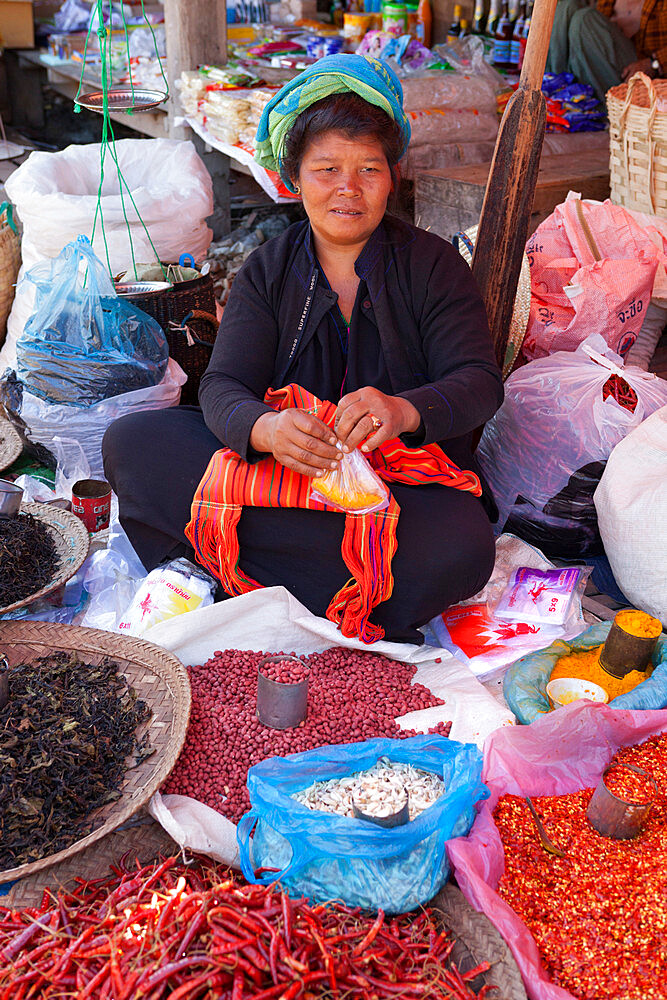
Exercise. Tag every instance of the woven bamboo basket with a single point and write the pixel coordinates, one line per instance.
(158, 678)
(10, 261)
(11, 444)
(71, 540)
(638, 144)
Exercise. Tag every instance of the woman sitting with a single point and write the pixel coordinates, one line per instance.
(378, 332)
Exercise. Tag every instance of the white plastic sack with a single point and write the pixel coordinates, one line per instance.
(48, 421)
(553, 423)
(631, 503)
(55, 195)
(271, 618)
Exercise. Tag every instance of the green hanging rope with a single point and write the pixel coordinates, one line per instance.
(108, 143)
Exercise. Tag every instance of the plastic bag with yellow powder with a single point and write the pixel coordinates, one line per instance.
(352, 486)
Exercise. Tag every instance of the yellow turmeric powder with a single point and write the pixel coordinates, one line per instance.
(586, 666)
(639, 624)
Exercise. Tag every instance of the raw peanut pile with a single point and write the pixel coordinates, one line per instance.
(195, 931)
(351, 696)
(599, 916)
(285, 672)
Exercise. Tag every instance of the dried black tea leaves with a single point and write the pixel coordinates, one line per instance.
(28, 557)
(68, 734)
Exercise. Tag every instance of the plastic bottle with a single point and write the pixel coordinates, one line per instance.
(455, 26)
(424, 23)
(502, 40)
(479, 18)
(517, 32)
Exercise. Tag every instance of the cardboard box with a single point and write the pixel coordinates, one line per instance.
(16, 25)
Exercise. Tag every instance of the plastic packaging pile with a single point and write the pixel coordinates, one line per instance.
(224, 102)
(544, 451)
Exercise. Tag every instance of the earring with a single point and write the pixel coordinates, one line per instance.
(297, 189)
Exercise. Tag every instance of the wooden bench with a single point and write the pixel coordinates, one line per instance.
(449, 201)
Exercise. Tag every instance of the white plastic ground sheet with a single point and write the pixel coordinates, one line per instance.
(272, 620)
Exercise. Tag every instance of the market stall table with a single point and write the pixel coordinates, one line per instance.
(450, 201)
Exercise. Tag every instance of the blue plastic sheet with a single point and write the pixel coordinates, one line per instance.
(83, 343)
(326, 856)
(525, 683)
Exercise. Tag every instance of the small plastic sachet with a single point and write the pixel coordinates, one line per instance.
(352, 486)
(540, 595)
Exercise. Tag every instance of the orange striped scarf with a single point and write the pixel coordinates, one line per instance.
(369, 540)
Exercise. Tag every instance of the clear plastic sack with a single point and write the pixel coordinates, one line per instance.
(542, 596)
(326, 856)
(83, 343)
(352, 487)
(169, 590)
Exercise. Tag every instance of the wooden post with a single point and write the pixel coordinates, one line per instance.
(196, 33)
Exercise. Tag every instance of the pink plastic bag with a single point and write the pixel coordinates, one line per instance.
(562, 752)
(592, 269)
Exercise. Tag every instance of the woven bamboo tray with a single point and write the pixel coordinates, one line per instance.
(11, 444)
(72, 543)
(158, 678)
(141, 838)
(477, 940)
(638, 144)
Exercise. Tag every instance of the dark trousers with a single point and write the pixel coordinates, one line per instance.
(155, 460)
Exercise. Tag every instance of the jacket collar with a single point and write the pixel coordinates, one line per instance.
(369, 256)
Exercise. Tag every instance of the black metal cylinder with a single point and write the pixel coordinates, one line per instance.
(623, 652)
(398, 818)
(281, 706)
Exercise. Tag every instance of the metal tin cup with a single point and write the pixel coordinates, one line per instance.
(623, 652)
(10, 499)
(613, 816)
(281, 706)
(399, 817)
(91, 502)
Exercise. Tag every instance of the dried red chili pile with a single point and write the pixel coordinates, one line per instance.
(196, 931)
(598, 916)
(351, 696)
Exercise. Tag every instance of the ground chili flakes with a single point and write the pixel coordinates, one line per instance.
(598, 916)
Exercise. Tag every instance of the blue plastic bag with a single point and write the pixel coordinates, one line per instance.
(83, 343)
(525, 683)
(325, 856)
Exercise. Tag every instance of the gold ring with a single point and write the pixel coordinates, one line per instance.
(377, 423)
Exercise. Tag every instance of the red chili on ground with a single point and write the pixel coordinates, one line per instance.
(198, 932)
(598, 916)
(352, 696)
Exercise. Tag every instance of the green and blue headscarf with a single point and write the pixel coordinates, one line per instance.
(338, 74)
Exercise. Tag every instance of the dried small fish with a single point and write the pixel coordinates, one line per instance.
(379, 791)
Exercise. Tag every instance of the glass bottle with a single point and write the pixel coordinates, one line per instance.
(524, 35)
(502, 39)
(479, 18)
(455, 27)
(517, 31)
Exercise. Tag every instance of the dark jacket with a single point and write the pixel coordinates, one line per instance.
(428, 311)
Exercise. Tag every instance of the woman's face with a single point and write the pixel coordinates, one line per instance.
(344, 184)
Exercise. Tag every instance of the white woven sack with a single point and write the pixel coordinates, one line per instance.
(631, 503)
(55, 195)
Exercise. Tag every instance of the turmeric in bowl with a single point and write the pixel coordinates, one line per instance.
(639, 624)
(585, 665)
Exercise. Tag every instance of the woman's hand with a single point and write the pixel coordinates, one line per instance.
(358, 414)
(297, 440)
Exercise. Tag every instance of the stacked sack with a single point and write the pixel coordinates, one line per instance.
(56, 197)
